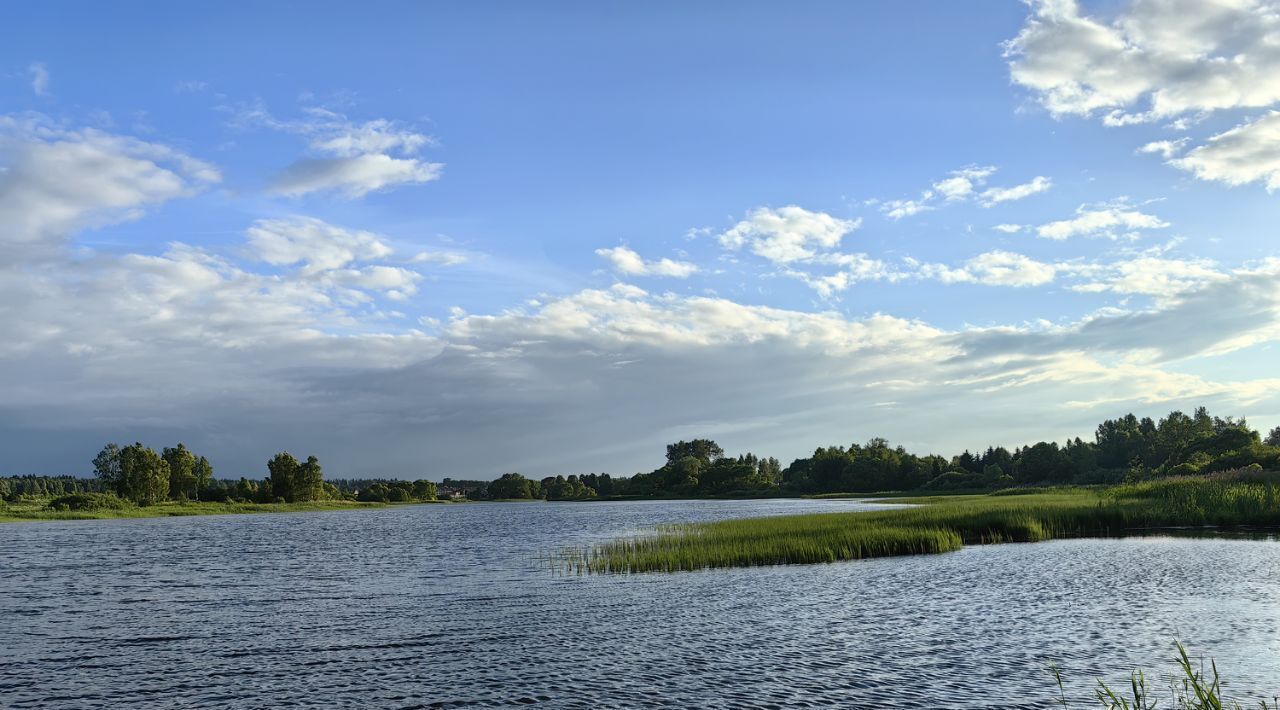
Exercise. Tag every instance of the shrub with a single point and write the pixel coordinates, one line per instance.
(89, 501)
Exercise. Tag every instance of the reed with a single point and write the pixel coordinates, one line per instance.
(937, 524)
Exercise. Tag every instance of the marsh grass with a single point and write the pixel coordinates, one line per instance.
(40, 509)
(1191, 688)
(938, 524)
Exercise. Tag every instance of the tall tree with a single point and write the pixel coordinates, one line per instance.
(282, 470)
(203, 474)
(308, 482)
(144, 475)
(182, 471)
(106, 466)
(705, 449)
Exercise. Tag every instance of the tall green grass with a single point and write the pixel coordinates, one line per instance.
(28, 510)
(937, 524)
(1191, 688)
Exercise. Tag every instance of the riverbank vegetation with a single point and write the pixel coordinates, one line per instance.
(136, 481)
(1126, 449)
(1233, 499)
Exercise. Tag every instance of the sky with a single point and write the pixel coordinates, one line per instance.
(460, 239)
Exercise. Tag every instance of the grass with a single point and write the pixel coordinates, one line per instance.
(938, 524)
(39, 509)
(1189, 689)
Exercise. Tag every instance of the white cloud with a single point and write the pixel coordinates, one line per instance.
(1116, 220)
(359, 158)
(1166, 148)
(353, 177)
(1008, 228)
(55, 182)
(1156, 59)
(627, 261)
(961, 186)
(443, 258)
(853, 269)
(1149, 275)
(39, 78)
(316, 245)
(787, 234)
(1244, 154)
(996, 195)
(897, 209)
(994, 268)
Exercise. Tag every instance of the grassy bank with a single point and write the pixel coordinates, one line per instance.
(29, 509)
(940, 524)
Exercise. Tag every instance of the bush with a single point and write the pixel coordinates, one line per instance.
(89, 501)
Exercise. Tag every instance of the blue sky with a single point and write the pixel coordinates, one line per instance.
(393, 235)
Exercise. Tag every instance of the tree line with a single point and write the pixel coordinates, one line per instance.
(1128, 448)
(1125, 449)
(141, 475)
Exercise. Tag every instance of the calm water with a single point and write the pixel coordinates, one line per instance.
(448, 606)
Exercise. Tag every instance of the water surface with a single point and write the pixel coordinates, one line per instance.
(449, 606)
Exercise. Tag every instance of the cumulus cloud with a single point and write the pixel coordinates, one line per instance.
(1117, 220)
(994, 268)
(1148, 275)
(1166, 148)
(787, 234)
(352, 159)
(56, 181)
(318, 246)
(1244, 154)
(1155, 59)
(960, 186)
(627, 261)
(235, 352)
(39, 78)
(1008, 228)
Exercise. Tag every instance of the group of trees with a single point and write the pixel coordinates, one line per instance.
(692, 468)
(139, 474)
(1128, 448)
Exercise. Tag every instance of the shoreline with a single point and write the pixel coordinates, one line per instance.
(39, 512)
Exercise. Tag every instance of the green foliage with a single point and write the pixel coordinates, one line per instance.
(943, 524)
(1195, 691)
(144, 475)
(282, 469)
(89, 501)
(308, 481)
(705, 450)
(514, 486)
(106, 466)
(395, 491)
(182, 472)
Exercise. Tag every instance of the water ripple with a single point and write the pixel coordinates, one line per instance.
(449, 607)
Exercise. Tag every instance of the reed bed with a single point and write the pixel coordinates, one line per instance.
(936, 525)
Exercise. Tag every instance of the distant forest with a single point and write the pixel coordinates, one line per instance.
(1124, 449)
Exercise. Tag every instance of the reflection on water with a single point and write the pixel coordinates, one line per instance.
(448, 606)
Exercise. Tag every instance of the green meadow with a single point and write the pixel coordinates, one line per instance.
(47, 509)
(938, 524)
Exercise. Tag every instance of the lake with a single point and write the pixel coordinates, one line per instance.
(454, 606)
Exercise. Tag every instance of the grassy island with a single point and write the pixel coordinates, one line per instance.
(946, 523)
